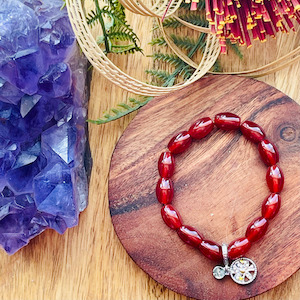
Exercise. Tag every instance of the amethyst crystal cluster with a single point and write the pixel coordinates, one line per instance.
(42, 121)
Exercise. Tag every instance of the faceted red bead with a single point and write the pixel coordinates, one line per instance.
(227, 121)
(257, 229)
(190, 235)
(271, 206)
(238, 248)
(201, 128)
(211, 250)
(171, 216)
(164, 190)
(166, 164)
(252, 131)
(180, 142)
(275, 179)
(268, 153)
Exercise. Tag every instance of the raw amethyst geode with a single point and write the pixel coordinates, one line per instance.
(43, 181)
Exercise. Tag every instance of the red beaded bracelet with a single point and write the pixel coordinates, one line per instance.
(242, 270)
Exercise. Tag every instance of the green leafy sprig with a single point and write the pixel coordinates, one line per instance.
(117, 37)
(195, 19)
(121, 110)
(182, 69)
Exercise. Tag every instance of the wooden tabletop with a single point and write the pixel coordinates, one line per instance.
(89, 262)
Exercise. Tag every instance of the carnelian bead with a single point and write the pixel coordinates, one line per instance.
(166, 164)
(171, 216)
(257, 229)
(164, 190)
(268, 153)
(238, 247)
(190, 235)
(180, 142)
(252, 131)
(211, 250)
(271, 206)
(227, 121)
(275, 179)
(201, 128)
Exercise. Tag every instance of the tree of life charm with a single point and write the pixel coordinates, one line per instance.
(242, 271)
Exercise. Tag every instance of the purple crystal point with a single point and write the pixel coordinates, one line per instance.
(19, 30)
(43, 181)
(56, 82)
(60, 140)
(20, 61)
(54, 193)
(9, 93)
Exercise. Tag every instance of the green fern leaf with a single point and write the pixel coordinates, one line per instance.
(122, 34)
(119, 35)
(118, 9)
(121, 110)
(172, 23)
(186, 72)
(195, 19)
(158, 41)
(120, 23)
(160, 74)
(217, 66)
(184, 43)
(235, 48)
(181, 68)
(115, 30)
(125, 49)
(169, 58)
(92, 18)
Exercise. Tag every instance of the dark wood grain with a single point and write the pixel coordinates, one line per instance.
(219, 186)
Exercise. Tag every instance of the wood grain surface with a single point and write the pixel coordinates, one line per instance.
(89, 262)
(219, 186)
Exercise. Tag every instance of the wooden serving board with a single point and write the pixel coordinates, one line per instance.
(219, 186)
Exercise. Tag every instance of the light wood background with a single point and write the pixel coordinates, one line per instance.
(88, 262)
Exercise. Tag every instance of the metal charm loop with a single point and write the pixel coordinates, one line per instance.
(242, 271)
(225, 258)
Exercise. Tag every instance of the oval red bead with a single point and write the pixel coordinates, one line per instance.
(171, 216)
(211, 250)
(227, 121)
(257, 229)
(180, 142)
(238, 248)
(271, 206)
(190, 235)
(166, 164)
(275, 179)
(164, 190)
(252, 131)
(268, 153)
(201, 128)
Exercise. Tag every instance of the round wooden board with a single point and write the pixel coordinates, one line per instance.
(219, 186)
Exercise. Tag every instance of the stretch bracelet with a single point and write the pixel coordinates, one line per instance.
(242, 270)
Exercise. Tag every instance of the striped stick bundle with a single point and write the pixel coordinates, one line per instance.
(237, 19)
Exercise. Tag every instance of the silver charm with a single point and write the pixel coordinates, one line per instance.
(242, 270)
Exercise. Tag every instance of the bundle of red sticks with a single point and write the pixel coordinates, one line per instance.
(242, 21)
